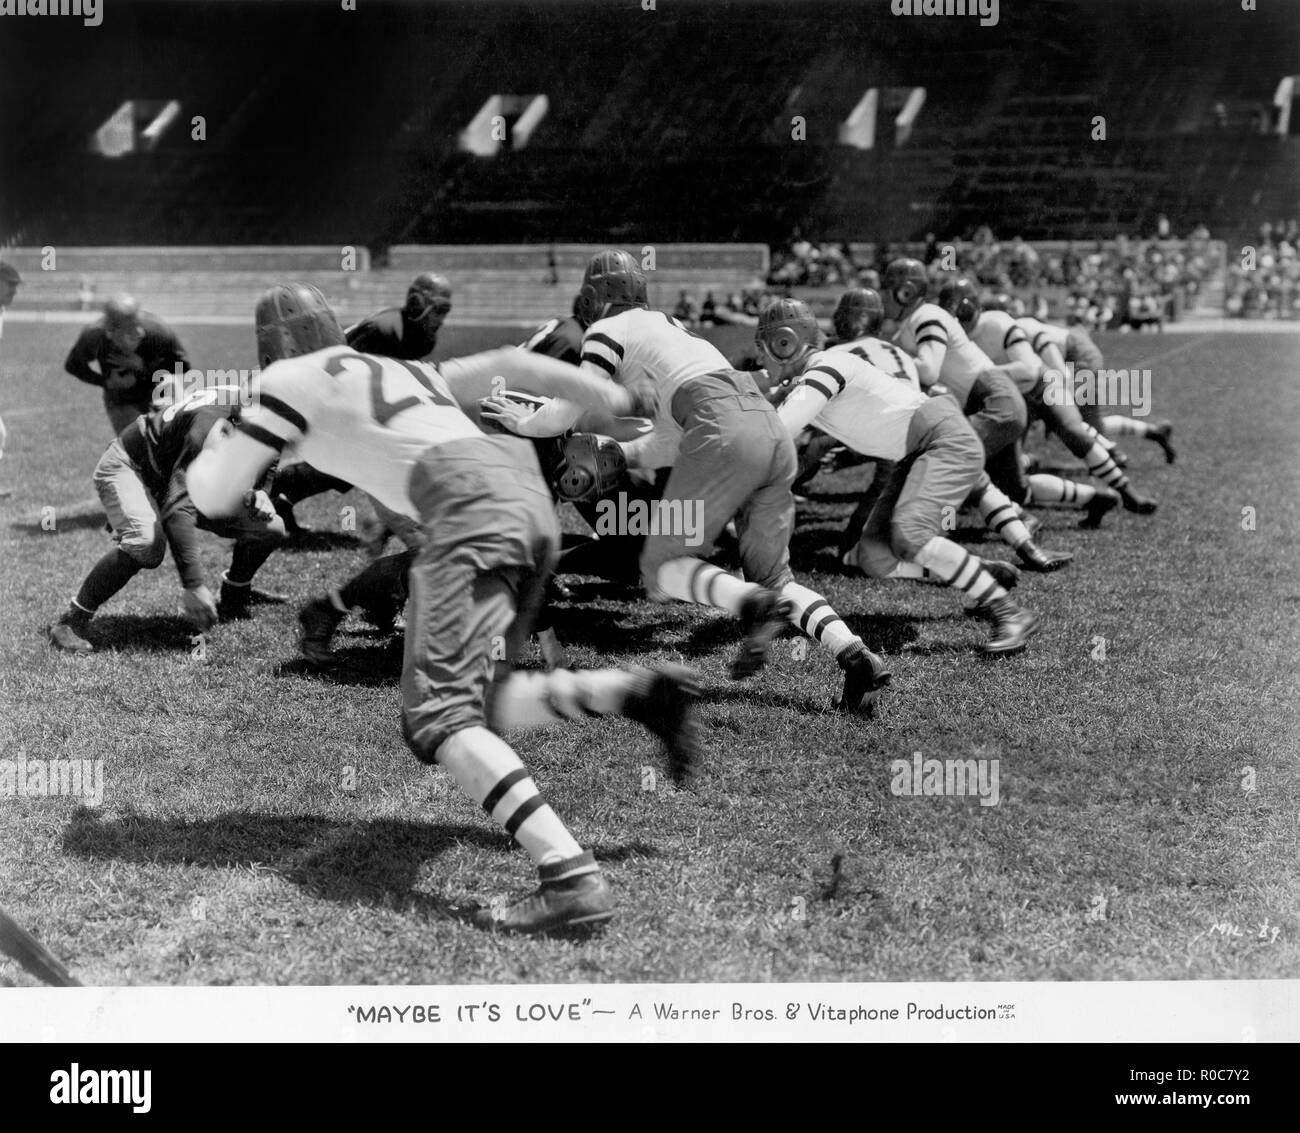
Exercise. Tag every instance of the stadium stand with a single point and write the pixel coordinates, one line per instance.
(672, 126)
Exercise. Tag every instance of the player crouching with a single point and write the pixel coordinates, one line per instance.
(938, 460)
(141, 481)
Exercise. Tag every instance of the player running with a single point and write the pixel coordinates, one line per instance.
(936, 461)
(727, 450)
(397, 430)
(1051, 401)
(948, 362)
(1057, 346)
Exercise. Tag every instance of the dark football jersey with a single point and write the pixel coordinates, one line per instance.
(127, 379)
(163, 443)
(558, 338)
(390, 334)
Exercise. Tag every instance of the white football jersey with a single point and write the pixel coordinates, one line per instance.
(1041, 333)
(360, 417)
(638, 343)
(866, 408)
(884, 356)
(931, 331)
(1002, 338)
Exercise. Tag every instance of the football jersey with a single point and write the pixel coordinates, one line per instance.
(133, 374)
(884, 356)
(558, 338)
(638, 343)
(162, 443)
(868, 409)
(932, 328)
(1041, 334)
(391, 334)
(997, 333)
(363, 418)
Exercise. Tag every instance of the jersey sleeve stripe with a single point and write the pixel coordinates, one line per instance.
(834, 375)
(1013, 337)
(606, 341)
(284, 411)
(940, 338)
(821, 387)
(932, 323)
(602, 362)
(262, 436)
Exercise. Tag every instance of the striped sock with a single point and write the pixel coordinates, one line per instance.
(960, 569)
(1125, 426)
(1045, 489)
(905, 569)
(1001, 517)
(694, 580)
(1099, 437)
(487, 769)
(541, 700)
(814, 615)
(1103, 467)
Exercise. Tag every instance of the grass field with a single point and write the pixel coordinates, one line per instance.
(229, 848)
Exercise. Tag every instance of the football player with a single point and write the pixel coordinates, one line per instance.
(858, 317)
(410, 332)
(935, 458)
(397, 430)
(727, 450)
(559, 338)
(1050, 400)
(120, 353)
(141, 481)
(857, 320)
(947, 362)
(1057, 345)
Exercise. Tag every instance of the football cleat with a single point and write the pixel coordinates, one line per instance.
(318, 620)
(865, 675)
(235, 600)
(1097, 508)
(1012, 626)
(1033, 557)
(65, 638)
(667, 707)
(763, 615)
(1161, 435)
(1141, 505)
(573, 902)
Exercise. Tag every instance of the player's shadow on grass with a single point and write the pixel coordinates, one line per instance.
(378, 862)
(608, 629)
(319, 540)
(148, 633)
(359, 664)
